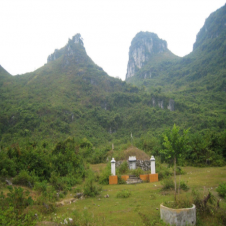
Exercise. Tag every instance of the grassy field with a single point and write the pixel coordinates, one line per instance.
(142, 207)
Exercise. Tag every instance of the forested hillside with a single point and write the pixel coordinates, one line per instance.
(71, 96)
(196, 82)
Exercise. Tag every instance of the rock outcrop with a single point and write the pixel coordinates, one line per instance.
(143, 46)
(68, 50)
(160, 103)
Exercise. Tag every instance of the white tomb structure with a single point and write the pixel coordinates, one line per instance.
(132, 162)
(113, 167)
(152, 164)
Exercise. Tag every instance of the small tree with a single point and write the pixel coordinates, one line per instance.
(175, 144)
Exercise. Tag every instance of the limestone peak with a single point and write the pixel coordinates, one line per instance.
(143, 46)
(76, 39)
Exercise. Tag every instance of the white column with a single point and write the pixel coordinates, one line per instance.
(152, 164)
(132, 162)
(113, 167)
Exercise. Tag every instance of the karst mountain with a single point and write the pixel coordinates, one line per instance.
(72, 96)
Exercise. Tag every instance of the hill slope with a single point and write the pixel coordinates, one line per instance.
(196, 82)
(72, 96)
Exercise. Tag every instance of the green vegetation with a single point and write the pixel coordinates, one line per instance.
(167, 184)
(12, 208)
(174, 144)
(222, 189)
(57, 120)
(90, 189)
(123, 194)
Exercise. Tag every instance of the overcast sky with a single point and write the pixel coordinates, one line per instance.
(31, 30)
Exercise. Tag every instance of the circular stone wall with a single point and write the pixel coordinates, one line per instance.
(178, 217)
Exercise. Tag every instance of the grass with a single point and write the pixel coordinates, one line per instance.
(142, 207)
(145, 198)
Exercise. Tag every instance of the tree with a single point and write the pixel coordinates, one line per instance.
(174, 145)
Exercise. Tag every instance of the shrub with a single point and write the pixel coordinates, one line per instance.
(163, 172)
(204, 204)
(41, 186)
(184, 186)
(182, 201)
(7, 166)
(48, 194)
(12, 207)
(16, 198)
(222, 190)
(180, 171)
(137, 172)
(167, 184)
(77, 190)
(104, 176)
(123, 194)
(46, 207)
(83, 218)
(56, 181)
(120, 180)
(23, 178)
(90, 189)
(71, 180)
(123, 168)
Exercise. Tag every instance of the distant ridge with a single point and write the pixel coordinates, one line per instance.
(3, 72)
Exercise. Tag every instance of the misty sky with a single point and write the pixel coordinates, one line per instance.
(31, 30)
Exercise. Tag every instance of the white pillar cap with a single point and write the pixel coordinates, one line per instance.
(113, 160)
(132, 158)
(152, 158)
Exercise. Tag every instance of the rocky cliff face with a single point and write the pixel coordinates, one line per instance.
(77, 39)
(169, 104)
(143, 46)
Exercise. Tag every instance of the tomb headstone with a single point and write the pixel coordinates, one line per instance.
(132, 162)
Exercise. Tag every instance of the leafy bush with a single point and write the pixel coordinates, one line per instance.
(222, 189)
(123, 168)
(23, 178)
(184, 186)
(90, 189)
(104, 176)
(180, 171)
(46, 207)
(56, 181)
(41, 186)
(163, 172)
(13, 205)
(71, 180)
(7, 166)
(137, 172)
(167, 184)
(204, 204)
(77, 190)
(123, 194)
(120, 180)
(182, 201)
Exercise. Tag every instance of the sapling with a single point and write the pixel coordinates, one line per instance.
(174, 144)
